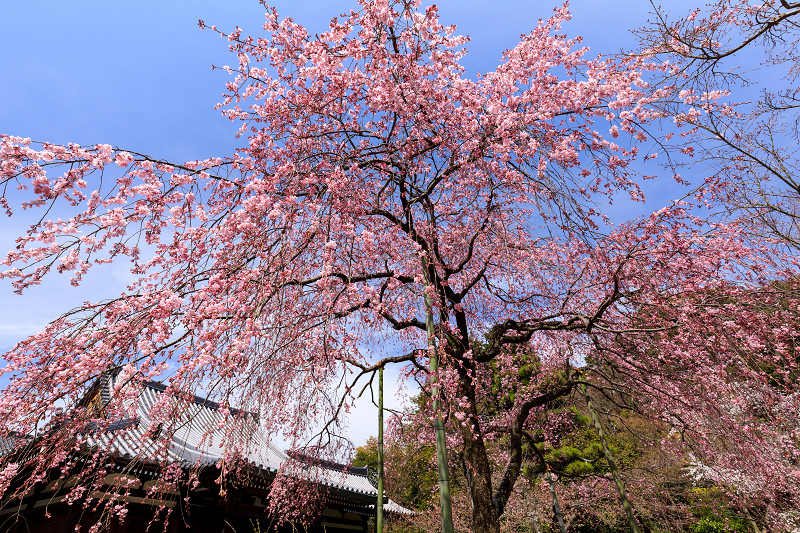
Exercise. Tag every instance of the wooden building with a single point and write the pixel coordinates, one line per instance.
(347, 494)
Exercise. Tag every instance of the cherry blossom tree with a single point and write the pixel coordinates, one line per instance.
(747, 53)
(726, 384)
(374, 175)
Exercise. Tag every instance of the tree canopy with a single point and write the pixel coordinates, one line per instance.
(374, 175)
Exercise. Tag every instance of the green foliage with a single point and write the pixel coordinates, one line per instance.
(410, 470)
(398, 526)
(581, 453)
(717, 525)
(367, 455)
(572, 451)
(713, 513)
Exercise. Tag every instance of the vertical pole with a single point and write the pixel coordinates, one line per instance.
(438, 426)
(556, 507)
(612, 465)
(379, 514)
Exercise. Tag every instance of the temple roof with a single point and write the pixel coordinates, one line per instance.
(198, 438)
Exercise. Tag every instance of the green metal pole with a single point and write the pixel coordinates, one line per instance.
(612, 465)
(557, 508)
(379, 516)
(438, 426)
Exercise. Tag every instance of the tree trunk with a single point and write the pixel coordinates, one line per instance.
(485, 518)
(484, 515)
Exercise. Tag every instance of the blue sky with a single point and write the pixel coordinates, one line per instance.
(138, 75)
